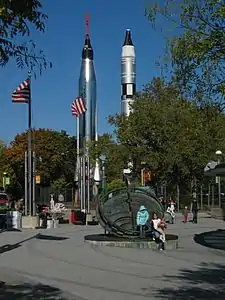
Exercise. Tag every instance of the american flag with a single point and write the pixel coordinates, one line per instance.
(22, 93)
(78, 107)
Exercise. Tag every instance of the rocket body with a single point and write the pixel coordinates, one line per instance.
(128, 74)
(87, 89)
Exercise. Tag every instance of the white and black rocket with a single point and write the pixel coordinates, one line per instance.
(128, 74)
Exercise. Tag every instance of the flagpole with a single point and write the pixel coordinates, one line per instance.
(78, 108)
(85, 188)
(78, 163)
(25, 183)
(30, 175)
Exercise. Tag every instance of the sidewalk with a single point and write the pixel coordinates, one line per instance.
(15, 287)
(62, 259)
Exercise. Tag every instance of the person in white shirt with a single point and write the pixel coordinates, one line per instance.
(156, 221)
(172, 206)
(158, 231)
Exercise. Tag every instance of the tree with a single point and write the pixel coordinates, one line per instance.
(2, 154)
(197, 51)
(171, 134)
(55, 156)
(115, 184)
(16, 19)
(116, 156)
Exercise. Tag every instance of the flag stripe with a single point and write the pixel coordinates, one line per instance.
(22, 93)
(81, 102)
(78, 107)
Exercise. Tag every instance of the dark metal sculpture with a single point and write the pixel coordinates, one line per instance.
(117, 210)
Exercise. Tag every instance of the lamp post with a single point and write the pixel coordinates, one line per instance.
(219, 155)
(4, 180)
(97, 177)
(103, 158)
(127, 173)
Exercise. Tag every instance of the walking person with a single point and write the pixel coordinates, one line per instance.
(194, 210)
(171, 212)
(185, 214)
(172, 206)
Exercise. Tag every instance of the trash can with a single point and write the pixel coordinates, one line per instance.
(83, 217)
(78, 217)
(43, 220)
(72, 219)
(14, 220)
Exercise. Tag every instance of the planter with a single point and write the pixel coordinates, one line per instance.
(52, 223)
(56, 223)
(49, 224)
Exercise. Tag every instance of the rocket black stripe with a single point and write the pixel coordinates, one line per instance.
(128, 89)
(125, 97)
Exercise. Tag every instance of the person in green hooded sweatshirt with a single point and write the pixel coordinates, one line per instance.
(142, 219)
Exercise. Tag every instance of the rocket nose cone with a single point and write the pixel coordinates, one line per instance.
(87, 51)
(128, 40)
(87, 42)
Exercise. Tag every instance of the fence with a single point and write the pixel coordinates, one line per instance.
(43, 195)
(207, 195)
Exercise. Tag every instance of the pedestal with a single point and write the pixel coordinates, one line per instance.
(89, 218)
(30, 222)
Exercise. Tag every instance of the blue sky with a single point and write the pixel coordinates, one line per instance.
(53, 92)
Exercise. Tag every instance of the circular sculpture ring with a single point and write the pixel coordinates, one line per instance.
(117, 210)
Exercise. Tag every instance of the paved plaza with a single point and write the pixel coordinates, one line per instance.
(58, 264)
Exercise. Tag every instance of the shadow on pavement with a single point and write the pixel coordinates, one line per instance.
(207, 282)
(211, 239)
(51, 237)
(9, 247)
(29, 291)
(11, 229)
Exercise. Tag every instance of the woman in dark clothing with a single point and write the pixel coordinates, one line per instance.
(194, 210)
(13, 205)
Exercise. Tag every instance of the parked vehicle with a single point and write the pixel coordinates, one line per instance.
(4, 199)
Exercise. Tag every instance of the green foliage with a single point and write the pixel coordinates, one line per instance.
(2, 152)
(61, 183)
(172, 135)
(15, 188)
(197, 51)
(16, 18)
(116, 155)
(55, 157)
(2, 155)
(115, 184)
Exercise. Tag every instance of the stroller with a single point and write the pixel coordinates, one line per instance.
(169, 216)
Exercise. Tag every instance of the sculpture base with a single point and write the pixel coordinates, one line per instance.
(112, 241)
(30, 222)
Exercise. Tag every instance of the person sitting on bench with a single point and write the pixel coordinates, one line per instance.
(158, 226)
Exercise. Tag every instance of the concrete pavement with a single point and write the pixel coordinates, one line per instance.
(72, 269)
